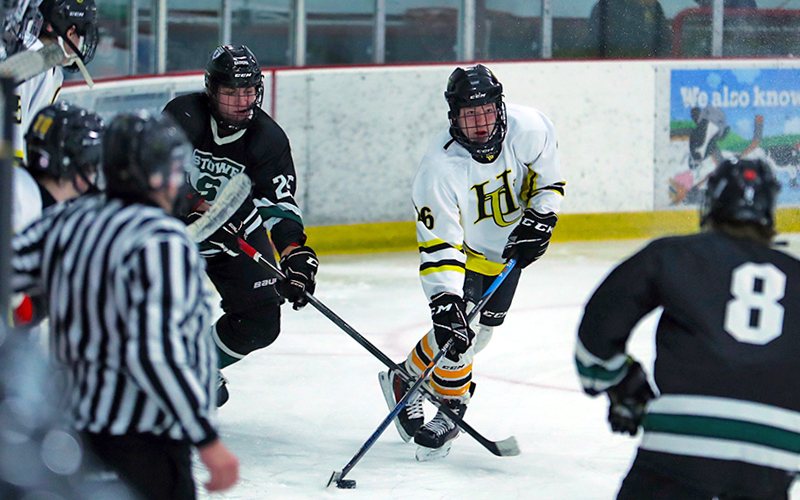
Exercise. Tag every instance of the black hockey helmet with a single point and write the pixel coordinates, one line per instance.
(741, 191)
(64, 142)
(141, 153)
(234, 67)
(61, 15)
(476, 86)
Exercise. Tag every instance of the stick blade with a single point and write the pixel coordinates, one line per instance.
(26, 64)
(506, 448)
(342, 484)
(232, 196)
(334, 477)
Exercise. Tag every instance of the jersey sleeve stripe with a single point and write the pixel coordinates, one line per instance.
(437, 248)
(441, 266)
(598, 374)
(431, 246)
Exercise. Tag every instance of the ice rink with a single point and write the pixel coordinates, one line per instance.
(303, 407)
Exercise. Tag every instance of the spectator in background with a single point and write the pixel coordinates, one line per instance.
(629, 29)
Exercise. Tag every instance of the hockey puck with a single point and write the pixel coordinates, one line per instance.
(346, 484)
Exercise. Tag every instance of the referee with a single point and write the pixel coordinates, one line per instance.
(129, 315)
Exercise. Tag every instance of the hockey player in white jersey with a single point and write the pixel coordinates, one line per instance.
(73, 25)
(488, 189)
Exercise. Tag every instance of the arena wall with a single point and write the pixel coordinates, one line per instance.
(358, 133)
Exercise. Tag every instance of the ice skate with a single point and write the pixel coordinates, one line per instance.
(435, 438)
(410, 418)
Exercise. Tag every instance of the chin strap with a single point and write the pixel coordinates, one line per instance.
(75, 59)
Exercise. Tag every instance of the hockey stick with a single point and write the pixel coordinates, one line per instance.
(505, 448)
(26, 64)
(225, 205)
(338, 476)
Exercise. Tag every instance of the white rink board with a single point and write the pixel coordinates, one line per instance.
(359, 133)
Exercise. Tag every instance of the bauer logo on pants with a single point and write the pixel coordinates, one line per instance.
(263, 283)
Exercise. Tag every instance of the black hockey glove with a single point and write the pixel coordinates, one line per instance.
(627, 400)
(529, 240)
(186, 202)
(245, 220)
(300, 267)
(225, 238)
(448, 312)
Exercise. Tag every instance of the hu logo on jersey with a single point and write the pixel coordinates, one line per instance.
(499, 204)
(210, 174)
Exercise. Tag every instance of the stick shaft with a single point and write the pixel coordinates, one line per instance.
(396, 410)
(507, 447)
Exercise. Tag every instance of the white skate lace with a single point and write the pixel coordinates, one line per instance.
(441, 424)
(414, 407)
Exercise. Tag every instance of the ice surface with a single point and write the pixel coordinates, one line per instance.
(300, 409)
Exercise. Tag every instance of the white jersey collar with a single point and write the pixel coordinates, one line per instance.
(221, 141)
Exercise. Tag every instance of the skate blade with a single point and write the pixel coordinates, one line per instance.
(425, 454)
(388, 395)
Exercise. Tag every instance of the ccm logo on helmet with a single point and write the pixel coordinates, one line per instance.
(478, 96)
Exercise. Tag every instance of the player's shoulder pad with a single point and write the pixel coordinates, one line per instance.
(262, 123)
(522, 119)
(264, 137)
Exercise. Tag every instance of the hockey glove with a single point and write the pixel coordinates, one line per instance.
(186, 202)
(300, 267)
(529, 240)
(246, 219)
(225, 238)
(448, 312)
(627, 400)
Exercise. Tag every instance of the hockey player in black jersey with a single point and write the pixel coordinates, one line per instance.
(726, 422)
(232, 134)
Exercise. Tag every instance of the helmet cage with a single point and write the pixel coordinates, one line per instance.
(234, 67)
(741, 191)
(472, 87)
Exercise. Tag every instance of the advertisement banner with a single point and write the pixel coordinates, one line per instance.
(718, 114)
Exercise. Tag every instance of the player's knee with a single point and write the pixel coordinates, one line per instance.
(244, 333)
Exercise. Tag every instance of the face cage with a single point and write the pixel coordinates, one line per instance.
(490, 148)
(87, 49)
(227, 124)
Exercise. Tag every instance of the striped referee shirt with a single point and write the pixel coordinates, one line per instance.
(129, 316)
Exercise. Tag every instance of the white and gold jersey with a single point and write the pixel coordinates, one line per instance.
(27, 200)
(33, 95)
(466, 210)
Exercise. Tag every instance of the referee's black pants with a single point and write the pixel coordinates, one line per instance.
(157, 468)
